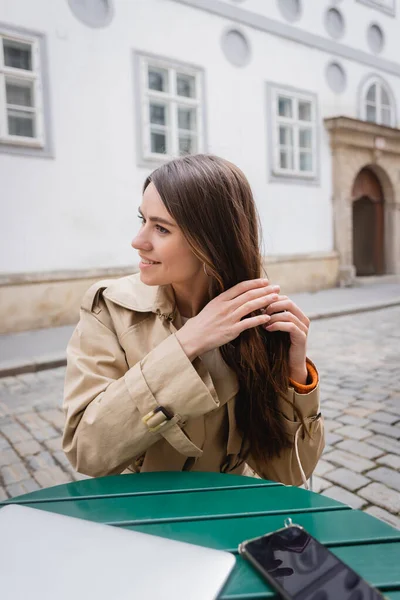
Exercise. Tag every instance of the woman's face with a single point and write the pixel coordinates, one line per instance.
(166, 257)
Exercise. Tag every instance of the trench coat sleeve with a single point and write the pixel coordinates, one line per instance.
(105, 400)
(298, 462)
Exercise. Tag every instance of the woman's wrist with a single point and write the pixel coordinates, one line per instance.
(188, 344)
(299, 374)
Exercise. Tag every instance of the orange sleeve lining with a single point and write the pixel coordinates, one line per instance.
(312, 380)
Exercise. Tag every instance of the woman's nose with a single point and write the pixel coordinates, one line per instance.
(140, 242)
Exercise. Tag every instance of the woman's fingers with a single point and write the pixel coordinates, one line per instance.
(285, 303)
(296, 334)
(288, 317)
(252, 305)
(243, 287)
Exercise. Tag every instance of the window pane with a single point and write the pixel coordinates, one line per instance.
(386, 116)
(371, 114)
(157, 114)
(285, 107)
(21, 123)
(304, 111)
(305, 138)
(187, 145)
(286, 159)
(187, 118)
(285, 136)
(158, 79)
(19, 92)
(17, 55)
(158, 142)
(186, 85)
(305, 161)
(384, 97)
(371, 94)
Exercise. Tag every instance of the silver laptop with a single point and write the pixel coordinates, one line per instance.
(46, 556)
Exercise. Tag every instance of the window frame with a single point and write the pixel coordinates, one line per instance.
(41, 144)
(34, 78)
(274, 91)
(377, 5)
(172, 101)
(380, 83)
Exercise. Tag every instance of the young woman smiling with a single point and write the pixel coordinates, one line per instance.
(197, 363)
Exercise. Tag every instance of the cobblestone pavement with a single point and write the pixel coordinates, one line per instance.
(358, 357)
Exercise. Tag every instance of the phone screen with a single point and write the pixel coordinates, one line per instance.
(305, 570)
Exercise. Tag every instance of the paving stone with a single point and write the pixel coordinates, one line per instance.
(332, 405)
(347, 479)
(43, 460)
(331, 425)
(388, 444)
(387, 476)
(330, 413)
(360, 448)
(39, 429)
(4, 444)
(319, 484)
(348, 460)
(352, 420)
(323, 466)
(60, 457)
(391, 460)
(3, 494)
(27, 448)
(384, 429)
(383, 515)
(385, 417)
(14, 473)
(393, 407)
(332, 438)
(54, 444)
(351, 431)
(54, 417)
(51, 476)
(344, 496)
(357, 411)
(8, 457)
(380, 494)
(23, 487)
(15, 433)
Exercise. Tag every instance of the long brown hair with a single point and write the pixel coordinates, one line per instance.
(212, 202)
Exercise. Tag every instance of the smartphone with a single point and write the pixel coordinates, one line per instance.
(301, 568)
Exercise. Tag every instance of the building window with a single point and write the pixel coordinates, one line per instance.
(293, 123)
(171, 109)
(21, 103)
(386, 6)
(377, 103)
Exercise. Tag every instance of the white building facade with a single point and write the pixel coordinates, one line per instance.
(302, 94)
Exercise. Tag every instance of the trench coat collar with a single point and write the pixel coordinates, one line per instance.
(129, 292)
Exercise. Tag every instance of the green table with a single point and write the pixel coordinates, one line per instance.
(219, 511)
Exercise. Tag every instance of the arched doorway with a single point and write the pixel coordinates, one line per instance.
(368, 224)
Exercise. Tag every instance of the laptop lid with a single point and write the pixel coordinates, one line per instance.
(45, 555)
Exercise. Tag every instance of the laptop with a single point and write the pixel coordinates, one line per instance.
(47, 556)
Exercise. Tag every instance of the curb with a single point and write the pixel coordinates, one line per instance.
(52, 361)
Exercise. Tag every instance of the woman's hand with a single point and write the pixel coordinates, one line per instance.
(287, 316)
(221, 320)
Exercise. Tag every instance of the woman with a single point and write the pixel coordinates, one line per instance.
(196, 363)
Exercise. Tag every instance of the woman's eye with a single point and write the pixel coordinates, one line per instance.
(141, 218)
(162, 229)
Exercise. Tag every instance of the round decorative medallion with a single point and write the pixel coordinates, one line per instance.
(334, 23)
(94, 13)
(375, 38)
(290, 9)
(336, 77)
(236, 48)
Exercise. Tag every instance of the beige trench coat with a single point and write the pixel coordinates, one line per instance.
(124, 363)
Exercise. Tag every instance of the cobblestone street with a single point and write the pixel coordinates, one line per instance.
(358, 358)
